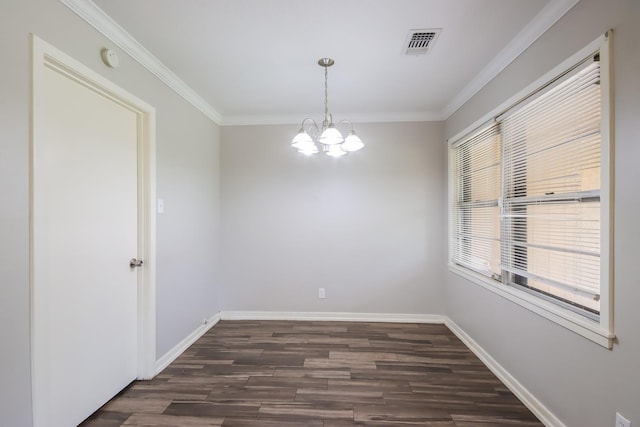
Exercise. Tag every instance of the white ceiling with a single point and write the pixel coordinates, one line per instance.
(255, 61)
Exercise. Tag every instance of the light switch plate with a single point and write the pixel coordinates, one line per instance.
(622, 421)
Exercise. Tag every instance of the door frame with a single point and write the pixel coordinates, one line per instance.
(45, 56)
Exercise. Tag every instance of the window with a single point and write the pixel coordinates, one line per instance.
(476, 213)
(530, 191)
(551, 200)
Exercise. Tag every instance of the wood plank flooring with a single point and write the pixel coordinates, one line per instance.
(320, 374)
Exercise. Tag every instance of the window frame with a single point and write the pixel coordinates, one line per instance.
(598, 330)
(485, 134)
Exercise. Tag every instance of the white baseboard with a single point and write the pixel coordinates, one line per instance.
(529, 400)
(332, 316)
(180, 348)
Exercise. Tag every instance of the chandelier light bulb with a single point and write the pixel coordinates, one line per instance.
(335, 151)
(309, 150)
(352, 143)
(302, 140)
(331, 136)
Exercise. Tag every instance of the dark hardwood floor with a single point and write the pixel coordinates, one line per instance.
(320, 374)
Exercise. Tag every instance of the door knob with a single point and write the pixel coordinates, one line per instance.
(135, 263)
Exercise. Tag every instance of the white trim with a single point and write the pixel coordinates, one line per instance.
(288, 119)
(187, 342)
(43, 55)
(147, 243)
(602, 332)
(550, 311)
(548, 16)
(332, 316)
(102, 22)
(607, 185)
(554, 72)
(527, 398)
(530, 401)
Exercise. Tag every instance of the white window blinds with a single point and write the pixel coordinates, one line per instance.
(551, 192)
(476, 191)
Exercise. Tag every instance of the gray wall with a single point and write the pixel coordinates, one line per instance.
(367, 227)
(370, 227)
(579, 381)
(187, 161)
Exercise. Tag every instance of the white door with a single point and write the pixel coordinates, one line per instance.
(84, 232)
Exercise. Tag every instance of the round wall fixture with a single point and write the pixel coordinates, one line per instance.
(110, 58)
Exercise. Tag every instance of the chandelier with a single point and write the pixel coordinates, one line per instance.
(312, 138)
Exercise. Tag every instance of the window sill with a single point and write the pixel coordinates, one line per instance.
(565, 318)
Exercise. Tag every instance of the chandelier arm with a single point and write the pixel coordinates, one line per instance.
(313, 129)
(346, 122)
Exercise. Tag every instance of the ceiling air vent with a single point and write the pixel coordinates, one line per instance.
(420, 41)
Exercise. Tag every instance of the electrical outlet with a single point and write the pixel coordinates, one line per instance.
(622, 421)
(321, 293)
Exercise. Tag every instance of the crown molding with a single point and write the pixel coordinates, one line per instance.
(548, 16)
(103, 23)
(290, 119)
(98, 19)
